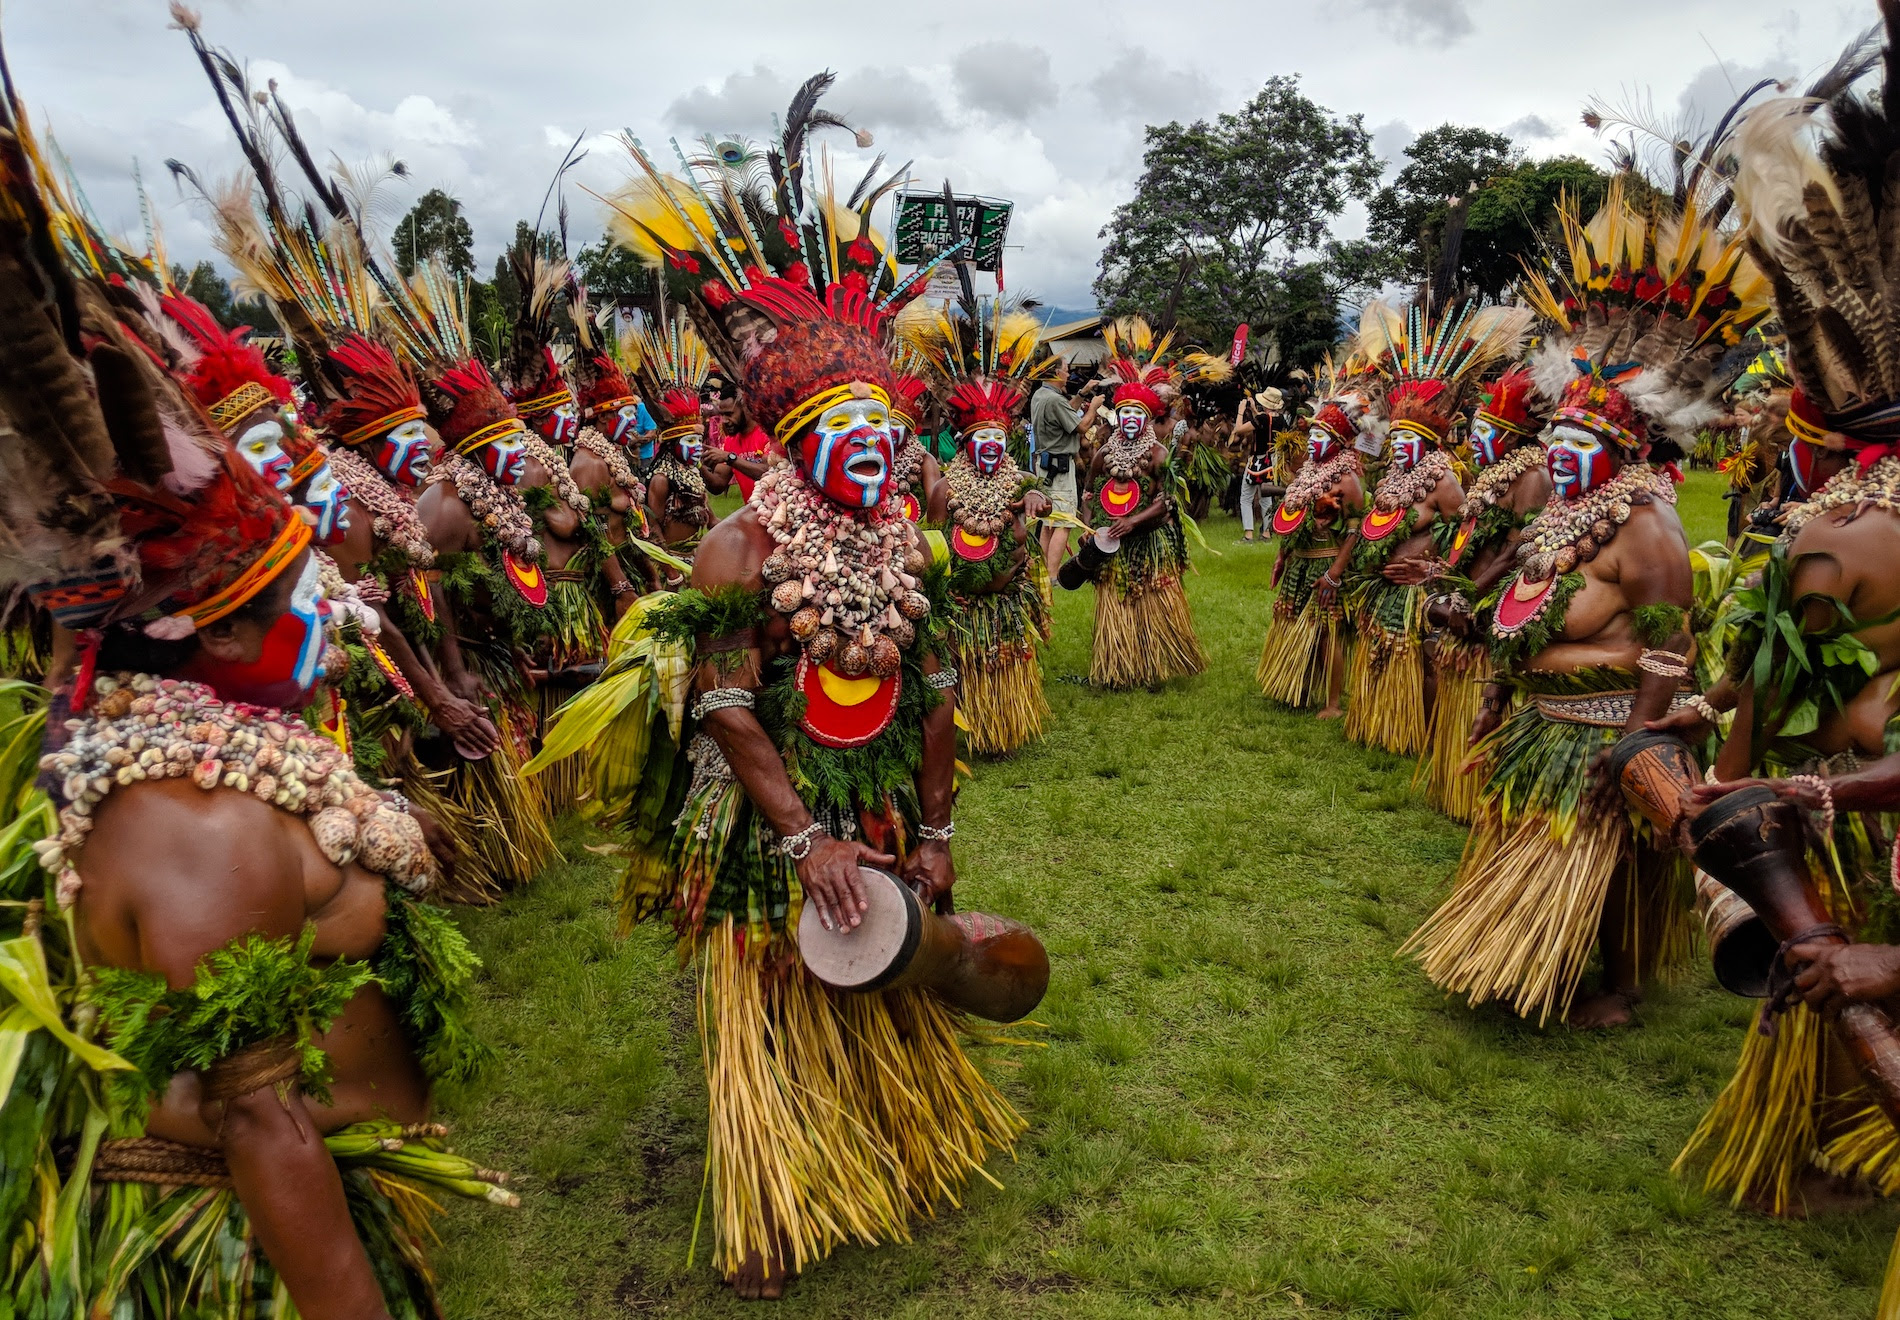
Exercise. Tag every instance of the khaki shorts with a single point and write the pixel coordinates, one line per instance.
(1062, 491)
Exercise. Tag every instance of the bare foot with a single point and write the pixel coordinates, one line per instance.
(1606, 1008)
(756, 1281)
(1331, 713)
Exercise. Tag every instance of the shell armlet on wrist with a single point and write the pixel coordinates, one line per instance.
(798, 846)
(1702, 706)
(942, 679)
(937, 833)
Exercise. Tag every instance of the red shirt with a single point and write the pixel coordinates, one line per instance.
(752, 442)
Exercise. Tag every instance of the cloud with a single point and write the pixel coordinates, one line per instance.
(1389, 141)
(870, 98)
(1140, 89)
(1535, 128)
(1004, 79)
(1714, 88)
(1431, 22)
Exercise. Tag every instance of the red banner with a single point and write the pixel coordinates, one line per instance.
(1239, 350)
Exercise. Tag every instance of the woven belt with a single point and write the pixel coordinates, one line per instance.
(1605, 710)
(156, 1160)
(1317, 552)
(566, 575)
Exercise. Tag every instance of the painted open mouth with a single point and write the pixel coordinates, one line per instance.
(866, 467)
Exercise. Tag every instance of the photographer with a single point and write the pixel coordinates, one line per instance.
(1058, 420)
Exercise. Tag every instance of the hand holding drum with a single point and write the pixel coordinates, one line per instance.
(989, 967)
(1752, 843)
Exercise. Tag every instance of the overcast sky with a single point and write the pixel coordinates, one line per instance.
(1040, 103)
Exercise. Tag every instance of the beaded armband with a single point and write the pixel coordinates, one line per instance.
(722, 699)
(942, 679)
(1666, 664)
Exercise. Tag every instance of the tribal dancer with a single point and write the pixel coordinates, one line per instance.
(1427, 364)
(672, 364)
(1303, 659)
(610, 446)
(1477, 549)
(489, 556)
(260, 965)
(568, 632)
(1144, 633)
(1811, 671)
(998, 617)
(1590, 629)
(820, 736)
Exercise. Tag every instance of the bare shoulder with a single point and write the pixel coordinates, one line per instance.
(588, 470)
(733, 552)
(1532, 490)
(1840, 550)
(450, 525)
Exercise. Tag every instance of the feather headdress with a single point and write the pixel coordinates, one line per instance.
(672, 362)
(1821, 215)
(983, 353)
(1648, 312)
(1428, 361)
(1146, 368)
(792, 285)
(121, 501)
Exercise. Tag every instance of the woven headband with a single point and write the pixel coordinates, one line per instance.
(794, 421)
(1502, 425)
(489, 434)
(384, 425)
(545, 402)
(289, 544)
(240, 402)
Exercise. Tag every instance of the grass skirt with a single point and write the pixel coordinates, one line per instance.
(1796, 1098)
(1528, 899)
(1463, 670)
(1296, 659)
(995, 642)
(146, 1250)
(999, 696)
(498, 820)
(834, 1117)
(1385, 679)
(1144, 634)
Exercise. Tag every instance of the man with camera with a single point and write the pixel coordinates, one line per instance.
(1058, 421)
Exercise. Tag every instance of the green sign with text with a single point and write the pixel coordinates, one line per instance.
(928, 225)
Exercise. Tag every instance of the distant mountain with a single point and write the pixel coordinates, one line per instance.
(1063, 315)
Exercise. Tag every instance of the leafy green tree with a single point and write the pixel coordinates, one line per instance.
(1227, 212)
(615, 277)
(1513, 215)
(203, 283)
(435, 227)
(1408, 215)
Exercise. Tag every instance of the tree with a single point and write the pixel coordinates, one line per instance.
(435, 227)
(1226, 213)
(1408, 214)
(615, 277)
(203, 283)
(1513, 215)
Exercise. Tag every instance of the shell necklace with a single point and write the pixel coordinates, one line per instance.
(846, 578)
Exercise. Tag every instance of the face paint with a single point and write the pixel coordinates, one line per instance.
(1321, 444)
(262, 446)
(626, 424)
(987, 444)
(898, 432)
(291, 661)
(1487, 442)
(1131, 418)
(689, 447)
(848, 453)
(1803, 459)
(1578, 461)
(327, 497)
(1407, 448)
(505, 458)
(559, 424)
(404, 454)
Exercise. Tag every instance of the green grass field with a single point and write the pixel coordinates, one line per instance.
(1246, 1105)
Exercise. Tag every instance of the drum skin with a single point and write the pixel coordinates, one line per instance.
(989, 967)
